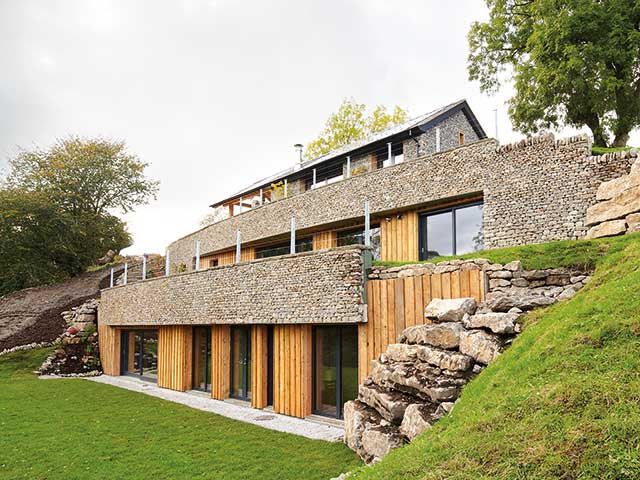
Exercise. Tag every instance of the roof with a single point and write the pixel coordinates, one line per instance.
(426, 120)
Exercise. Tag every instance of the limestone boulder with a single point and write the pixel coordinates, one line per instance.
(481, 346)
(498, 322)
(450, 310)
(442, 335)
(618, 207)
(608, 229)
(446, 360)
(389, 404)
(503, 303)
(617, 186)
(567, 293)
(633, 223)
(417, 418)
(357, 418)
(377, 442)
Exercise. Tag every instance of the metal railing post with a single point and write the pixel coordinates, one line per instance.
(111, 279)
(167, 263)
(144, 266)
(367, 225)
(197, 254)
(286, 188)
(389, 154)
(314, 177)
(293, 235)
(348, 167)
(238, 251)
(126, 268)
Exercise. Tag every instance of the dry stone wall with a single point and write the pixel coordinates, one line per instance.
(535, 191)
(325, 286)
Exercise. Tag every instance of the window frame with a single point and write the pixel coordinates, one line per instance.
(422, 226)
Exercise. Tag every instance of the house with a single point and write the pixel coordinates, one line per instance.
(273, 306)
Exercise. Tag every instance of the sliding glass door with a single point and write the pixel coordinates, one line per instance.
(139, 353)
(202, 358)
(241, 363)
(335, 368)
(452, 231)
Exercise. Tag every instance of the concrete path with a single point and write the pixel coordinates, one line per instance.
(262, 418)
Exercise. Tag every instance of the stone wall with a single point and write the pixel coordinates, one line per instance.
(535, 191)
(324, 286)
(618, 207)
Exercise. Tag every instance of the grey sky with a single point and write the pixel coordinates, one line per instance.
(213, 94)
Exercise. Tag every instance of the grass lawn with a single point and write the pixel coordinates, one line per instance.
(76, 429)
(563, 402)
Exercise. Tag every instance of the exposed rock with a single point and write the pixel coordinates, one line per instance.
(534, 275)
(498, 282)
(503, 303)
(417, 418)
(454, 361)
(617, 186)
(633, 223)
(390, 405)
(377, 442)
(514, 266)
(445, 335)
(567, 294)
(558, 279)
(505, 274)
(357, 418)
(450, 310)
(520, 282)
(501, 323)
(619, 207)
(608, 229)
(483, 347)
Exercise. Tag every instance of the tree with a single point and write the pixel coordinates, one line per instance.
(350, 124)
(91, 176)
(573, 62)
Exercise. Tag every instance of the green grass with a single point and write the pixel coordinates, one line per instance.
(563, 402)
(581, 254)
(602, 150)
(76, 429)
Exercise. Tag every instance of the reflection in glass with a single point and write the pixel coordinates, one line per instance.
(349, 356)
(439, 235)
(140, 353)
(469, 235)
(325, 368)
(241, 363)
(202, 358)
(356, 237)
(150, 354)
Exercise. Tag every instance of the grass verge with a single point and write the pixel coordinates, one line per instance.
(563, 402)
(77, 429)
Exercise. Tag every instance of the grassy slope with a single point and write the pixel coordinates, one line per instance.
(79, 429)
(563, 401)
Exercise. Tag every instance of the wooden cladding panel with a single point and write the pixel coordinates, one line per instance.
(220, 358)
(109, 344)
(175, 353)
(395, 304)
(292, 370)
(228, 257)
(259, 367)
(399, 237)
(324, 240)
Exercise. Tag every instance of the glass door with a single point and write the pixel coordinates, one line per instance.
(202, 358)
(139, 353)
(241, 363)
(335, 368)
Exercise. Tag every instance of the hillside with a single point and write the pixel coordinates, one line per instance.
(564, 400)
(33, 314)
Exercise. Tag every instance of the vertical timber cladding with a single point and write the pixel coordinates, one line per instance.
(220, 358)
(398, 303)
(399, 237)
(109, 343)
(292, 375)
(259, 367)
(228, 257)
(324, 240)
(175, 356)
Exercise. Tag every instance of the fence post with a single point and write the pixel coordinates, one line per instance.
(197, 255)
(144, 266)
(111, 279)
(238, 251)
(126, 265)
(367, 225)
(293, 235)
(167, 263)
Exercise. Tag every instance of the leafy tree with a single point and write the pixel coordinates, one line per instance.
(350, 124)
(85, 175)
(573, 62)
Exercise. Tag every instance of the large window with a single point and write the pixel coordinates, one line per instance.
(302, 245)
(335, 368)
(454, 231)
(139, 353)
(356, 237)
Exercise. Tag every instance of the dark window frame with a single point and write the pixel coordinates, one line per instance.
(306, 241)
(209, 348)
(422, 228)
(246, 367)
(124, 352)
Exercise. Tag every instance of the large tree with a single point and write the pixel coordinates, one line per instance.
(573, 62)
(352, 123)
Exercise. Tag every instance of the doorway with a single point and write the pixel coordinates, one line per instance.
(241, 363)
(139, 353)
(335, 368)
(202, 358)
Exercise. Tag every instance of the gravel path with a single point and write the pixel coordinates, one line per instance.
(262, 418)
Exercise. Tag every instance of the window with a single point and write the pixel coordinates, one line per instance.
(302, 245)
(356, 237)
(213, 262)
(139, 353)
(461, 138)
(454, 231)
(382, 156)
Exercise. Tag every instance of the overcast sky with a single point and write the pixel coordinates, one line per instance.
(213, 94)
